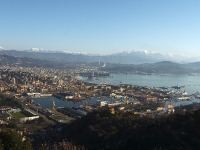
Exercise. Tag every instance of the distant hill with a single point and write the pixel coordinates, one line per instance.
(164, 67)
(57, 57)
(6, 60)
(194, 65)
(167, 67)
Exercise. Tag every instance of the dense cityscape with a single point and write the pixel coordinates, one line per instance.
(31, 120)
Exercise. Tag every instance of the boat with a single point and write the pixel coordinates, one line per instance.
(34, 95)
(115, 104)
(101, 103)
(37, 104)
(77, 98)
(184, 93)
(64, 96)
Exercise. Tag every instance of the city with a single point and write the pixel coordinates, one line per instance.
(26, 84)
(99, 75)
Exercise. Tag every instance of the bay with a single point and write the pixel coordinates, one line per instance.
(191, 83)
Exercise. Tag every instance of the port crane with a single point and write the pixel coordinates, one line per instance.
(53, 104)
(112, 95)
(87, 101)
(10, 116)
(126, 99)
(100, 94)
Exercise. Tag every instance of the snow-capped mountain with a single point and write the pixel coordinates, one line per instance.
(42, 50)
(59, 51)
(125, 57)
(1, 48)
(151, 56)
(144, 55)
(143, 52)
(82, 53)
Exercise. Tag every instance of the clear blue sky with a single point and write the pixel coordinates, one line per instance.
(101, 26)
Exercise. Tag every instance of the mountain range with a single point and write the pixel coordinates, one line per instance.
(126, 57)
(163, 67)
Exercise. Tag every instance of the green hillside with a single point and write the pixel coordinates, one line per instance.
(124, 131)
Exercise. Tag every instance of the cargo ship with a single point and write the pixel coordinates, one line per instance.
(64, 96)
(68, 96)
(77, 98)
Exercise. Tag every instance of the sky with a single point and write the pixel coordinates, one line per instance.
(101, 26)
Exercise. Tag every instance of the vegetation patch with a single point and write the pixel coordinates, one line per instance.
(8, 101)
(128, 131)
(18, 115)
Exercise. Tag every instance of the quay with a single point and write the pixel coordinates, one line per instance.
(95, 74)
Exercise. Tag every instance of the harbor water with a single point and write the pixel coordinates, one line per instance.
(47, 102)
(191, 85)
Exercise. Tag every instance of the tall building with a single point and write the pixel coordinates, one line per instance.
(60, 82)
(13, 81)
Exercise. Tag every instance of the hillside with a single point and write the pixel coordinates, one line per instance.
(57, 57)
(102, 130)
(6, 60)
(164, 67)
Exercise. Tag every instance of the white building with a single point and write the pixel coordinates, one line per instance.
(101, 103)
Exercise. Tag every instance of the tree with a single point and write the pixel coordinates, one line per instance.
(13, 140)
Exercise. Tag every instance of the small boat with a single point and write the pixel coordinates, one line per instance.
(77, 98)
(37, 104)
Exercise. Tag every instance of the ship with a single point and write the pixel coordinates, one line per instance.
(37, 104)
(64, 96)
(77, 98)
(34, 95)
(68, 96)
